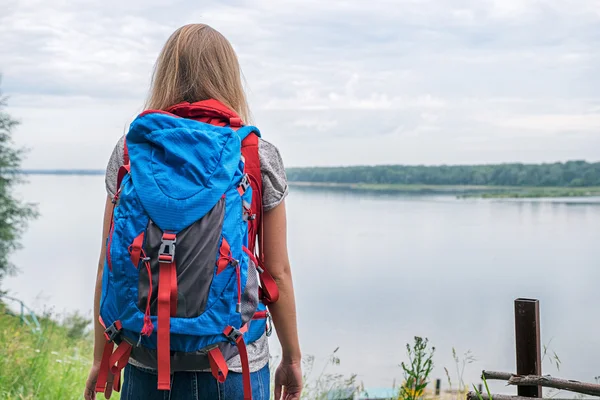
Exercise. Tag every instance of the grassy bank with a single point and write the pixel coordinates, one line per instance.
(53, 364)
(456, 190)
(549, 192)
(48, 365)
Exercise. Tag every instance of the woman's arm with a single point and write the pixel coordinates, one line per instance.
(99, 339)
(289, 374)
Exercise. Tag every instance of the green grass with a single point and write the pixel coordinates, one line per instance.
(54, 363)
(460, 191)
(49, 365)
(43, 366)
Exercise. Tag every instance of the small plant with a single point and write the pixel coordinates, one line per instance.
(487, 389)
(468, 358)
(554, 360)
(326, 385)
(417, 371)
(448, 377)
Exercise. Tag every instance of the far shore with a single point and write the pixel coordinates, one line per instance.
(461, 191)
(466, 191)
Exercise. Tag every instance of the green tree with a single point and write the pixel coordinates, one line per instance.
(14, 213)
(572, 173)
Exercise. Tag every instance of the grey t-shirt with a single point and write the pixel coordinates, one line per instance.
(274, 190)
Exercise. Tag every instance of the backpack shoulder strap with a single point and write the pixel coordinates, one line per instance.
(250, 147)
(244, 131)
(252, 168)
(125, 168)
(125, 152)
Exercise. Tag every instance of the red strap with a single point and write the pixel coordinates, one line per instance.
(148, 327)
(251, 256)
(169, 236)
(123, 170)
(252, 168)
(241, 345)
(235, 122)
(164, 326)
(218, 365)
(118, 359)
(104, 367)
(260, 315)
(209, 111)
(224, 256)
(168, 258)
(117, 383)
(135, 250)
(173, 290)
(125, 152)
(269, 287)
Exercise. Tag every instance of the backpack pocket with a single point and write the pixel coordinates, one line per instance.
(250, 295)
(196, 247)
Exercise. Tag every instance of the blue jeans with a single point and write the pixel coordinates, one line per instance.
(140, 384)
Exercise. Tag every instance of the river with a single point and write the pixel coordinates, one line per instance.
(372, 271)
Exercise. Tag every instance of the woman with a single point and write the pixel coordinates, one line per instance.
(198, 64)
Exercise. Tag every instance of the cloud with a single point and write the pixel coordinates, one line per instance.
(337, 82)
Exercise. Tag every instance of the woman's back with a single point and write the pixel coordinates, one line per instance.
(163, 169)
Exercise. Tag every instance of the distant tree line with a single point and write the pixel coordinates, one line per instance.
(572, 173)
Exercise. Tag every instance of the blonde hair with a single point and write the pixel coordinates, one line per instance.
(197, 63)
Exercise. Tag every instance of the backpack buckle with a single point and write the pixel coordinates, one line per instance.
(166, 253)
(233, 334)
(244, 184)
(113, 331)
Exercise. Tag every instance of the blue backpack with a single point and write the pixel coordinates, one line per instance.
(180, 288)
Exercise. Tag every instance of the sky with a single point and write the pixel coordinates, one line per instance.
(329, 83)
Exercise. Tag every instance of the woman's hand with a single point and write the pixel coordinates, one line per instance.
(90, 384)
(288, 377)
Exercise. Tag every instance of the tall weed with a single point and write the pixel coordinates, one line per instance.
(417, 370)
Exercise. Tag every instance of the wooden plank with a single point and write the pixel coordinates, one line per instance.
(528, 344)
(484, 396)
(591, 389)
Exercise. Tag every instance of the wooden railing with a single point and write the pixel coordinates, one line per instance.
(529, 379)
(26, 314)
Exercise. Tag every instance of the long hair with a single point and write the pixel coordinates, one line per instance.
(197, 63)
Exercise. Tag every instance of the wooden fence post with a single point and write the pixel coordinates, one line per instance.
(528, 345)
